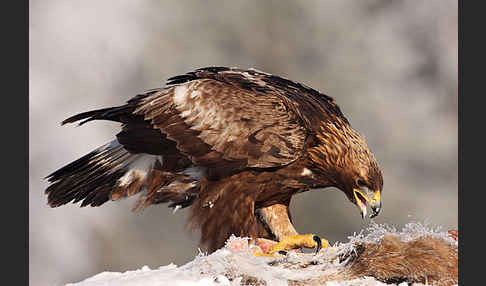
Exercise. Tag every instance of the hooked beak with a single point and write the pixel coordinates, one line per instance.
(367, 196)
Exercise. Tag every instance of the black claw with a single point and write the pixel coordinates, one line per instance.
(319, 243)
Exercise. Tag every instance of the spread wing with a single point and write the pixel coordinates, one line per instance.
(242, 117)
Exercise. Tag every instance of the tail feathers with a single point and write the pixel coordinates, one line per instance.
(111, 172)
(88, 178)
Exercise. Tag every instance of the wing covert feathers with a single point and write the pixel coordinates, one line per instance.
(248, 117)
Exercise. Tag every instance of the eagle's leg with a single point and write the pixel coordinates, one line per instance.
(277, 218)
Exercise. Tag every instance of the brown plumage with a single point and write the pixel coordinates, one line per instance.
(233, 144)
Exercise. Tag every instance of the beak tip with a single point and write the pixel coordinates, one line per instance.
(375, 211)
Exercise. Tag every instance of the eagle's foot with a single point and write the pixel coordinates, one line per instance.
(299, 241)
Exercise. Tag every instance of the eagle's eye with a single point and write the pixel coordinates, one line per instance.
(361, 183)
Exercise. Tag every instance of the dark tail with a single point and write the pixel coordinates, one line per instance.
(90, 178)
(111, 172)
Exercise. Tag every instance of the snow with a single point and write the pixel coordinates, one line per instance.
(162, 276)
(235, 263)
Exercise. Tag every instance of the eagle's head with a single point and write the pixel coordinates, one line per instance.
(363, 185)
(344, 160)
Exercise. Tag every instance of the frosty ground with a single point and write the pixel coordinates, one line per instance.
(235, 264)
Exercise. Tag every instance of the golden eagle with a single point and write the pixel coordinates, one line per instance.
(234, 145)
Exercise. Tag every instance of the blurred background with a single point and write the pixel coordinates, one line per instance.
(390, 65)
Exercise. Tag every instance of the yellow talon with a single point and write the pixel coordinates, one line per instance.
(298, 241)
